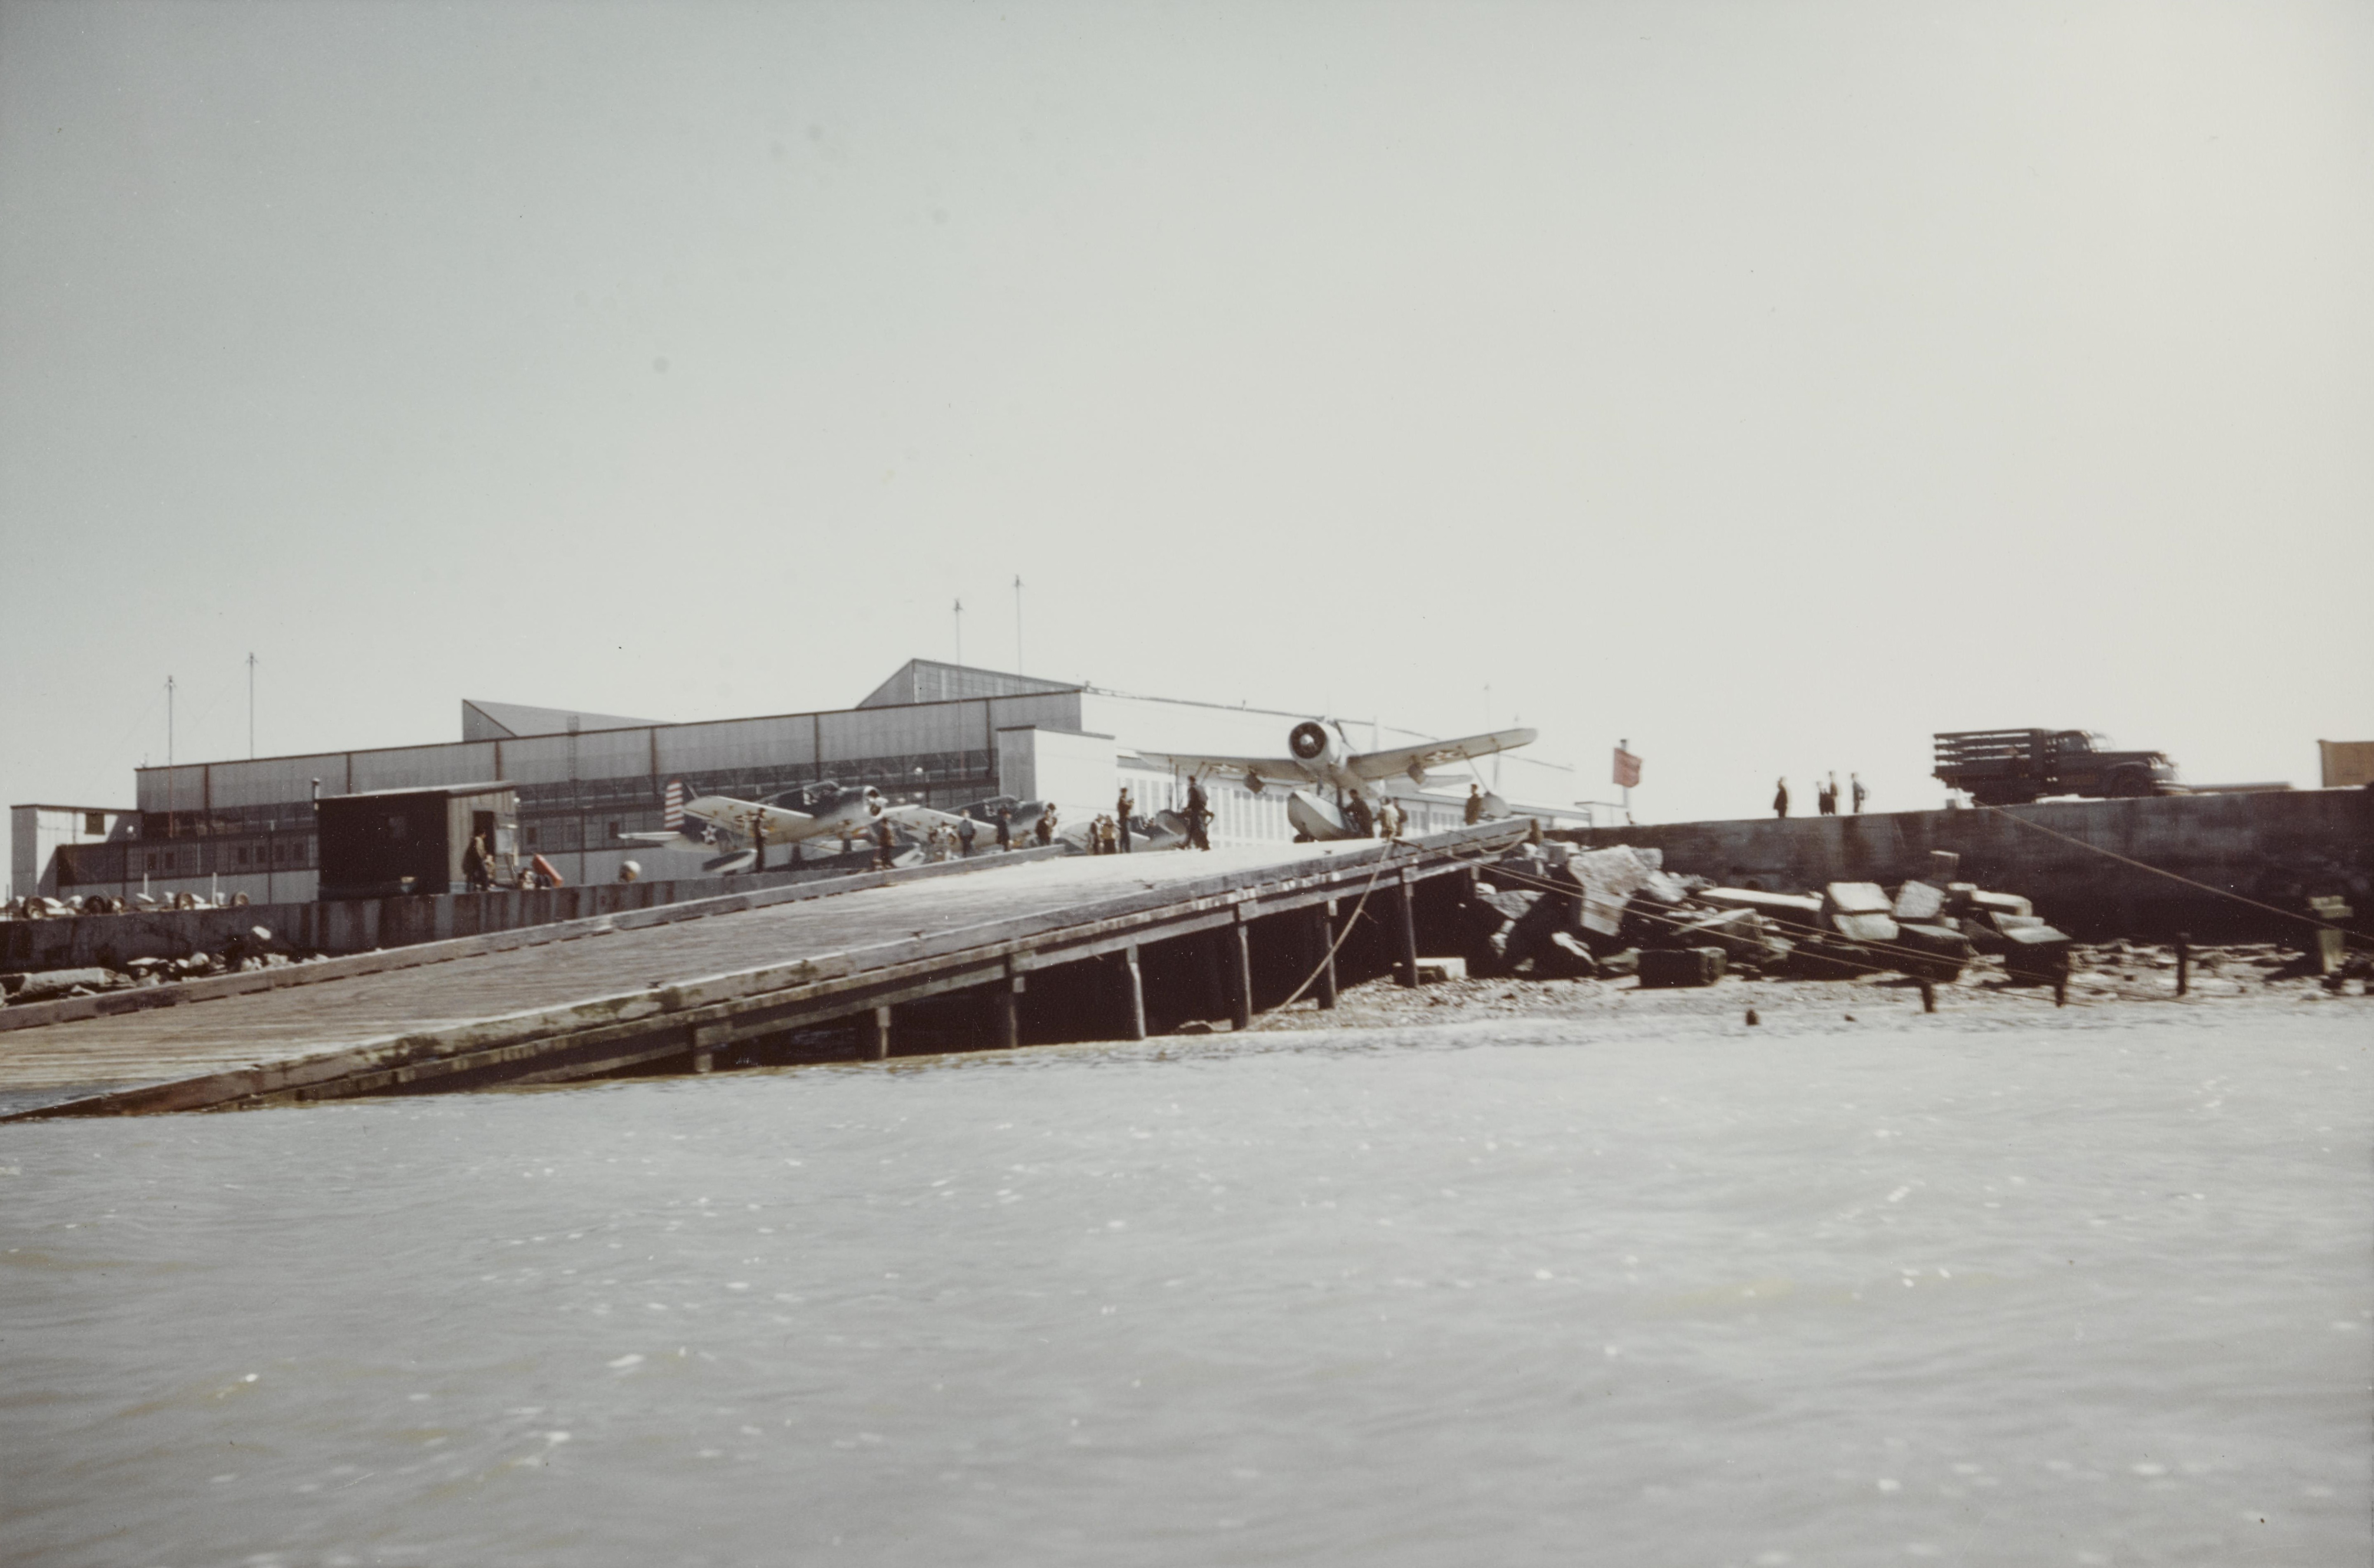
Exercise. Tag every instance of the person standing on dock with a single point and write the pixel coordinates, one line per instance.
(1122, 808)
(1861, 794)
(1475, 804)
(1005, 828)
(475, 875)
(964, 837)
(1199, 817)
(882, 843)
(1046, 829)
(1388, 819)
(1781, 799)
(1825, 797)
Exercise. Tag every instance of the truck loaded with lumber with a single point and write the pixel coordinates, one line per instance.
(2012, 767)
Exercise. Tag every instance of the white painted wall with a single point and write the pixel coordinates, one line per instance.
(35, 834)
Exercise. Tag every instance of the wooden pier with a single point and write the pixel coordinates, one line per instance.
(685, 985)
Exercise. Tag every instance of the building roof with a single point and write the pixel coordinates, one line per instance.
(507, 721)
(929, 680)
(490, 787)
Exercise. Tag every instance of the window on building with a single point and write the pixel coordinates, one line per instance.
(242, 855)
(613, 831)
(152, 860)
(531, 836)
(94, 824)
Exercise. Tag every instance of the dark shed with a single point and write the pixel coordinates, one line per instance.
(412, 841)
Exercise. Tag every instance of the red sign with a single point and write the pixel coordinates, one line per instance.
(1627, 769)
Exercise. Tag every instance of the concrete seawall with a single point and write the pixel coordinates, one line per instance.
(2277, 849)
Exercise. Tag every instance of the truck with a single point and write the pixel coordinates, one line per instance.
(2012, 767)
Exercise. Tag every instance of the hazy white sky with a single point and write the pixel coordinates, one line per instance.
(1769, 384)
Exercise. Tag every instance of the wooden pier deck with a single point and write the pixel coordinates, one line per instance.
(600, 995)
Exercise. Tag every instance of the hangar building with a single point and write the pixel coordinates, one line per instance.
(944, 735)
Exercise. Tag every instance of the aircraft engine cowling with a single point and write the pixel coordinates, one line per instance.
(1316, 746)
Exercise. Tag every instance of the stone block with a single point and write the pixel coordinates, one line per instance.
(1879, 927)
(1931, 952)
(1859, 912)
(1433, 971)
(2036, 952)
(1919, 900)
(1663, 967)
(1980, 930)
(1822, 957)
(1626, 962)
(1607, 880)
(1945, 864)
(2000, 904)
(1659, 887)
(1784, 910)
(1563, 956)
(1854, 897)
(1738, 932)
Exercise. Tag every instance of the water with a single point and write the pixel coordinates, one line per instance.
(1526, 1294)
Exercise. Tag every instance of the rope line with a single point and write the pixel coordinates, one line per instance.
(1334, 946)
(2176, 876)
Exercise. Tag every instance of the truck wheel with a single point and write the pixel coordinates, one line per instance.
(2131, 783)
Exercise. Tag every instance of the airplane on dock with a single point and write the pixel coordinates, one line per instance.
(732, 834)
(1320, 754)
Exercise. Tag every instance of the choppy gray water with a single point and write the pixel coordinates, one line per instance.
(1532, 1295)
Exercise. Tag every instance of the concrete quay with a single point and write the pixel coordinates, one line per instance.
(2277, 849)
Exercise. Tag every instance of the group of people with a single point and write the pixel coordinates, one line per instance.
(479, 865)
(1112, 833)
(1826, 795)
(943, 842)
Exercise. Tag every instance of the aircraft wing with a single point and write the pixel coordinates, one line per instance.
(780, 826)
(1270, 769)
(1416, 760)
(923, 818)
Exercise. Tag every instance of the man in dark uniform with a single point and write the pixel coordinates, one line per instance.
(1475, 804)
(1006, 827)
(474, 872)
(882, 843)
(1781, 799)
(1046, 829)
(1854, 781)
(1122, 808)
(1199, 813)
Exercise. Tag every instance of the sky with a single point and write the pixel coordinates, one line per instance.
(1769, 386)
